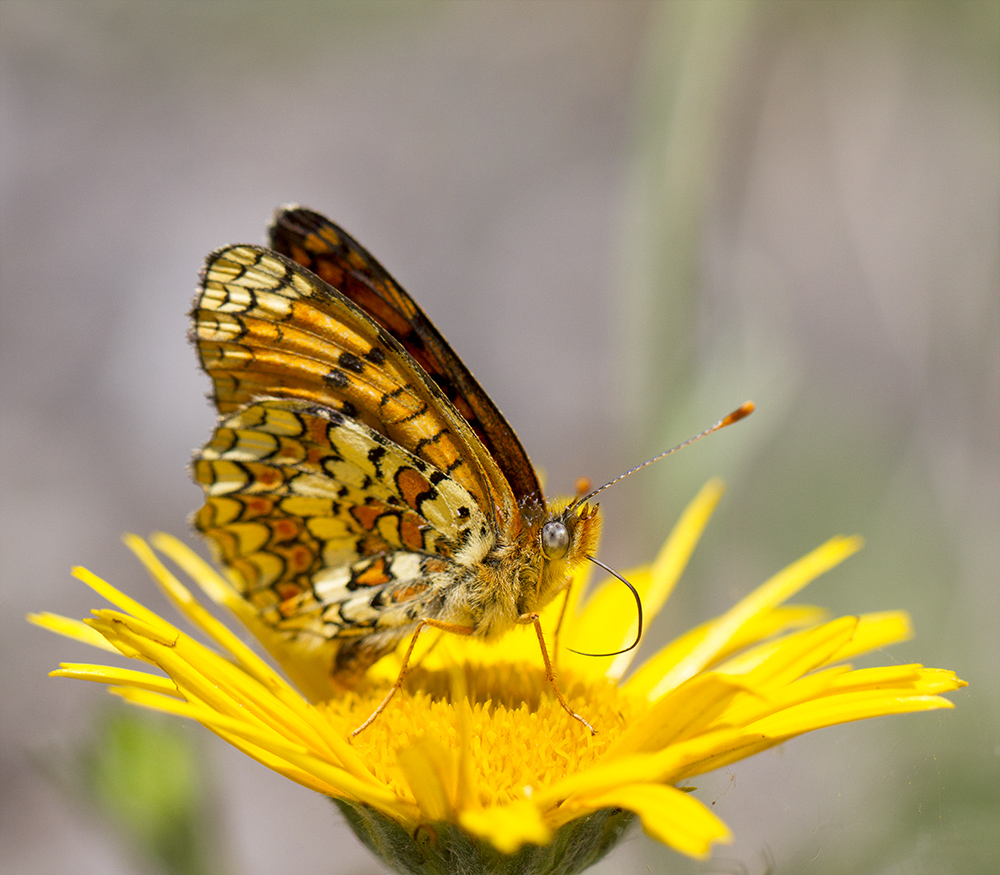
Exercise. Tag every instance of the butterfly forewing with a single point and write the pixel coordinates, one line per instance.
(327, 250)
(264, 326)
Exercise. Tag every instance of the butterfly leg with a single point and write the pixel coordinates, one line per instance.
(562, 616)
(550, 674)
(434, 624)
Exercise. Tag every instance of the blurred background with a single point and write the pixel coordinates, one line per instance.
(628, 218)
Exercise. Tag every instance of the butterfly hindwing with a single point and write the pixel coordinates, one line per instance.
(333, 531)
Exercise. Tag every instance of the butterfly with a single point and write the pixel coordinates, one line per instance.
(360, 485)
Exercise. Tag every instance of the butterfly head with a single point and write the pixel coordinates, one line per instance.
(566, 536)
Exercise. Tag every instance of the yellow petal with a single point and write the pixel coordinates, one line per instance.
(871, 632)
(247, 730)
(674, 555)
(280, 753)
(187, 605)
(603, 777)
(118, 598)
(205, 676)
(828, 710)
(508, 827)
(874, 631)
(76, 629)
(800, 653)
(781, 619)
(311, 678)
(119, 629)
(429, 770)
(704, 753)
(832, 710)
(778, 589)
(668, 815)
(253, 664)
(679, 714)
(107, 674)
(490, 749)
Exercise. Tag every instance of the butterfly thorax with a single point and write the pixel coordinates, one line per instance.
(520, 576)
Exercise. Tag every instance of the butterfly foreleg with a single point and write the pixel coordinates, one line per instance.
(454, 628)
(550, 673)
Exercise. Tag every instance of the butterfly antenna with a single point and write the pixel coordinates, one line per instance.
(739, 413)
(638, 608)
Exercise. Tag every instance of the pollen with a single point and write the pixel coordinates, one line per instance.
(501, 718)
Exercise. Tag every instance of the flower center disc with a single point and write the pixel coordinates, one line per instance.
(506, 724)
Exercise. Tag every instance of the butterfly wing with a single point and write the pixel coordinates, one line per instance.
(263, 326)
(343, 489)
(339, 537)
(315, 242)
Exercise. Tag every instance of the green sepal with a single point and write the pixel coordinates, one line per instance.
(445, 849)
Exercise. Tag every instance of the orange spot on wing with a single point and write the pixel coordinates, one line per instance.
(267, 477)
(291, 597)
(412, 486)
(366, 515)
(316, 429)
(411, 532)
(297, 253)
(256, 507)
(284, 530)
(287, 590)
(374, 575)
(300, 559)
(317, 456)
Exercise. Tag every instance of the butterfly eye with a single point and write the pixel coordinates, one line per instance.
(554, 539)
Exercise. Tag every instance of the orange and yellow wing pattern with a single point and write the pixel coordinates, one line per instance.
(331, 530)
(266, 327)
(315, 242)
(343, 489)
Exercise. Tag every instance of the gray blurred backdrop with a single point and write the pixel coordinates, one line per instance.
(627, 217)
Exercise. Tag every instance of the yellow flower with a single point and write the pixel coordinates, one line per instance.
(477, 761)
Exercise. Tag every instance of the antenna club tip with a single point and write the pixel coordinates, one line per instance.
(739, 413)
